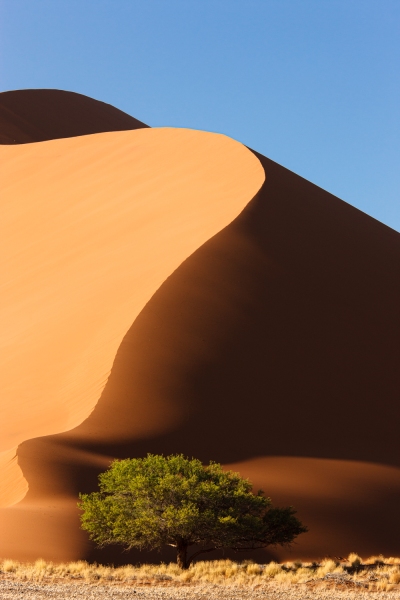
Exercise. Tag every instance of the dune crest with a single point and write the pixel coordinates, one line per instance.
(91, 227)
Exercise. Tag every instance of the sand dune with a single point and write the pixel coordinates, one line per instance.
(91, 230)
(39, 115)
(272, 347)
(347, 504)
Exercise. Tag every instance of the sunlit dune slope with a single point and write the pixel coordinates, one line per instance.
(90, 228)
(272, 348)
(38, 115)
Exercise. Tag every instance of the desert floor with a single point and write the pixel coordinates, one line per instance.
(16, 590)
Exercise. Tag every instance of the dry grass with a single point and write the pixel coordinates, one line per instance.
(377, 573)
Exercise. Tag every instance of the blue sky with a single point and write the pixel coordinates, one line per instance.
(312, 84)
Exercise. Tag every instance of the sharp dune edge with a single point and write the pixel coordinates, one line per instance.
(263, 333)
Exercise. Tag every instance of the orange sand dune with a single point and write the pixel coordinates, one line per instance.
(272, 348)
(91, 227)
(38, 115)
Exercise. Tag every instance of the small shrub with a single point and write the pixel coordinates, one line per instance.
(395, 577)
(354, 560)
(328, 566)
(9, 566)
(272, 569)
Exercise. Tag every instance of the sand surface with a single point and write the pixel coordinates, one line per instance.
(90, 231)
(29, 591)
(263, 338)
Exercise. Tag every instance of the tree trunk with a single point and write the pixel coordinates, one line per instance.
(182, 555)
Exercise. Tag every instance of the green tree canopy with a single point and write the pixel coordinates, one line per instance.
(155, 501)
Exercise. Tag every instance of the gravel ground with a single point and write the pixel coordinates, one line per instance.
(16, 590)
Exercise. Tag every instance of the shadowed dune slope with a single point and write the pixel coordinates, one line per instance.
(287, 321)
(273, 348)
(39, 115)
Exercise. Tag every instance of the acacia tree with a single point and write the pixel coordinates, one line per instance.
(151, 502)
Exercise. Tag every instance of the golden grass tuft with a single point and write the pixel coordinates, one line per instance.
(376, 573)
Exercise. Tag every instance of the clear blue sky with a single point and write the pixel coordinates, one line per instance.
(312, 84)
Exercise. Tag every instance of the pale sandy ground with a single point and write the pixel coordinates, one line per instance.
(11, 590)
